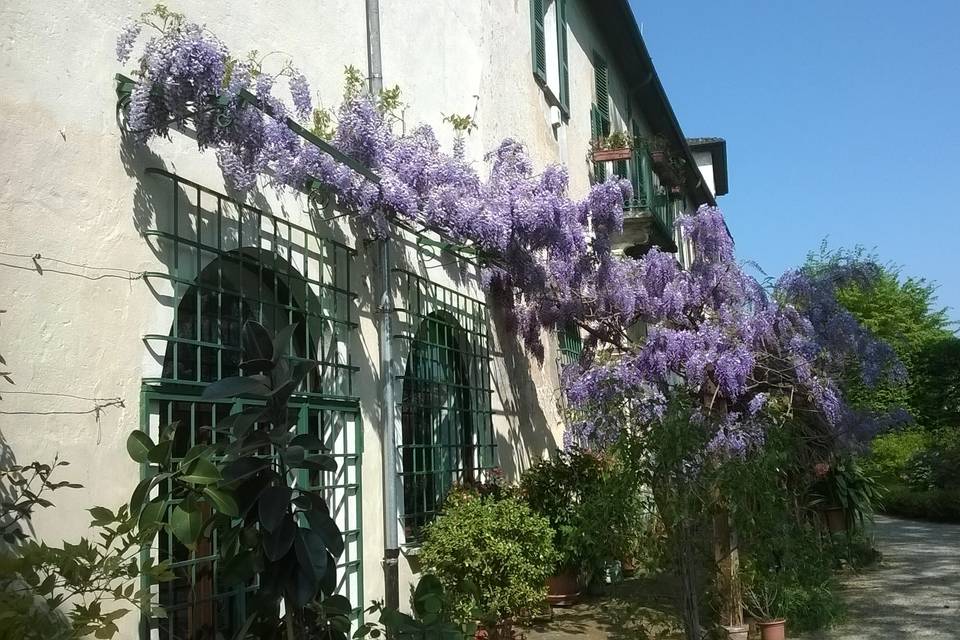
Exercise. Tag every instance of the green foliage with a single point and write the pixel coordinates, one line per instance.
(460, 123)
(939, 505)
(901, 311)
(73, 590)
(891, 453)
(389, 103)
(787, 565)
(846, 485)
(432, 619)
(594, 506)
(491, 554)
(266, 527)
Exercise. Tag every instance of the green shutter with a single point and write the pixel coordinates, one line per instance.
(596, 130)
(538, 36)
(620, 168)
(601, 81)
(562, 54)
(636, 168)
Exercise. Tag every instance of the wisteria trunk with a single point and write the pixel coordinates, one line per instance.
(727, 556)
(687, 566)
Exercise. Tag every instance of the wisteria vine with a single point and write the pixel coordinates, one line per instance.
(532, 236)
(712, 331)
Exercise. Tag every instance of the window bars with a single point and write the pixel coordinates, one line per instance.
(445, 402)
(228, 262)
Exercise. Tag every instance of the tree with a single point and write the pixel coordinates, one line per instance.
(902, 312)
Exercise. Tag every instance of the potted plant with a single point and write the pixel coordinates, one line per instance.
(763, 600)
(571, 491)
(492, 555)
(844, 494)
(617, 146)
(659, 150)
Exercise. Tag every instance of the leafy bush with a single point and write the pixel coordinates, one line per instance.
(432, 617)
(71, 590)
(491, 554)
(890, 454)
(593, 505)
(939, 505)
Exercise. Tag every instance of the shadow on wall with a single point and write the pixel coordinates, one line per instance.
(528, 435)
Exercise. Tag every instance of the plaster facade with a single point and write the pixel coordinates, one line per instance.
(76, 203)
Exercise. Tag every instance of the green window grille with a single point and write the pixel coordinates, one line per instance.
(600, 113)
(570, 346)
(229, 262)
(445, 410)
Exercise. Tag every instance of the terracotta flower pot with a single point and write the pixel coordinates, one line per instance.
(836, 519)
(737, 632)
(628, 566)
(773, 630)
(606, 155)
(563, 589)
(658, 157)
(503, 630)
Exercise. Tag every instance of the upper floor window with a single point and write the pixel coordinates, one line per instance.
(600, 112)
(549, 33)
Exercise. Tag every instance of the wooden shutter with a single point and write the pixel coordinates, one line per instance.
(539, 40)
(562, 55)
(596, 130)
(601, 82)
(636, 168)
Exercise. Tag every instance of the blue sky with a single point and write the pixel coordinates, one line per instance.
(842, 121)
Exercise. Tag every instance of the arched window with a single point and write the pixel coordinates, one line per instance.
(440, 439)
(282, 275)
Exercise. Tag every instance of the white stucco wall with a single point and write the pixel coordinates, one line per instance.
(704, 160)
(72, 191)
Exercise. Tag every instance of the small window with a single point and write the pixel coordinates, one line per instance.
(600, 113)
(549, 33)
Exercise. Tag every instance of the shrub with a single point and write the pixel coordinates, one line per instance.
(890, 454)
(939, 505)
(492, 554)
(593, 504)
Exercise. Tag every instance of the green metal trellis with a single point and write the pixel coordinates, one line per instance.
(228, 262)
(445, 406)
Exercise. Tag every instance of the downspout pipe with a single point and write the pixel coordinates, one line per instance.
(391, 544)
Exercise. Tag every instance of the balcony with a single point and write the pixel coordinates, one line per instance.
(648, 218)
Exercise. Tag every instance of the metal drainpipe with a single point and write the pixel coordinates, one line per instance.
(391, 545)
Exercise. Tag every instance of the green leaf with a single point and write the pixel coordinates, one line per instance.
(277, 543)
(239, 423)
(325, 527)
(160, 453)
(139, 446)
(243, 468)
(186, 525)
(235, 386)
(274, 502)
(152, 513)
(308, 441)
(318, 462)
(101, 515)
(281, 342)
(256, 341)
(223, 500)
(201, 471)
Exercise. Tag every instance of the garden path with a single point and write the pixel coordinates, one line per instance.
(914, 593)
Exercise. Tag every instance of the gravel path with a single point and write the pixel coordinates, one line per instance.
(914, 594)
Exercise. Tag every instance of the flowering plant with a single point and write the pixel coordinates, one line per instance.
(530, 233)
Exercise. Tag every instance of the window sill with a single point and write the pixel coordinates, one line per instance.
(411, 549)
(552, 98)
